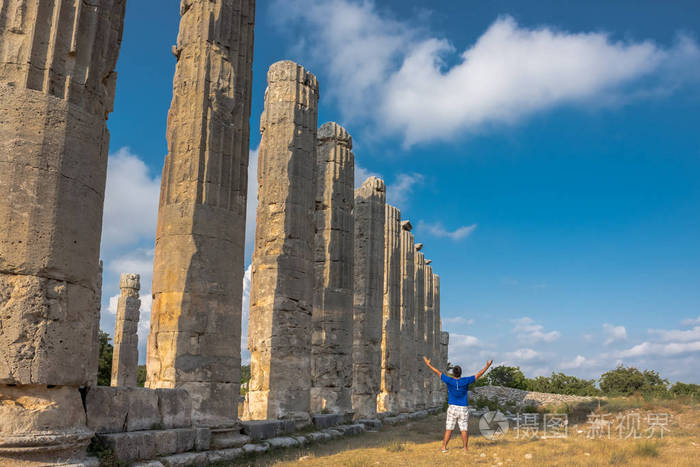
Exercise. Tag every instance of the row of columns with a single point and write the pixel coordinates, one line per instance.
(338, 316)
(343, 303)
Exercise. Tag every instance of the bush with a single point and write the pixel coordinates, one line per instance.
(559, 383)
(626, 381)
(684, 389)
(508, 376)
(141, 376)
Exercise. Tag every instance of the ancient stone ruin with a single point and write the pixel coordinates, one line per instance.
(343, 304)
(125, 360)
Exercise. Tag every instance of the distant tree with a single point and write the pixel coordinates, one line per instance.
(104, 368)
(245, 378)
(559, 383)
(508, 376)
(625, 381)
(685, 389)
(141, 376)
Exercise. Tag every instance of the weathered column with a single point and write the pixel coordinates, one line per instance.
(407, 368)
(331, 350)
(419, 324)
(281, 296)
(57, 84)
(387, 400)
(437, 332)
(194, 341)
(429, 336)
(125, 360)
(444, 355)
(368, 271)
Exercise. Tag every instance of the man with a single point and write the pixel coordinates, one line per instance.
(457, 410)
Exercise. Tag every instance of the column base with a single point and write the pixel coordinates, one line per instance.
(42, 425)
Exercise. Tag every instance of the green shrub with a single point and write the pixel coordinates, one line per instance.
(104, 368)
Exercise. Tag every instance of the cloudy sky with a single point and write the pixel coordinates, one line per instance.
(548, 154)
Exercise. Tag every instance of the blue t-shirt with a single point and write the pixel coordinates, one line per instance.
(457, 389)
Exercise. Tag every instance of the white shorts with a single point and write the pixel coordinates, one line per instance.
(457, 413)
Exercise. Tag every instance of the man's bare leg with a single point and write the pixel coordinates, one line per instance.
(448, 435)
(465, 440)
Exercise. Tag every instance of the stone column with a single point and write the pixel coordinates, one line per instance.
(429, 336)
(368, 272)
(57, 84)
(437, 332)
(419, 324)
(125, 360)
(331, 350)
(407, 368)
(387, 400)
(194, 341)
(444, 355)
(281, 295)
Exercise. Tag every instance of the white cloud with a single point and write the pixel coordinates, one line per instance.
(245, 309)
(396, 75)
(523, 355)
(252, 202)
(614, 333)
(439, 231)
(131, 200)
(677, 335)
(661, 349)
(458, 320)
(398, 193)
(579, 362)
(527, 331)
(691, 321)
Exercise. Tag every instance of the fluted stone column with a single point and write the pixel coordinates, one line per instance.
(281, 296)
(419, 324)
(407, 368)
(444, 354)
(57, 83)
(437, 332)
(370, 201)
(194, 341)
(331, 350)
(125, 359)
(429, 336)
(387, 400)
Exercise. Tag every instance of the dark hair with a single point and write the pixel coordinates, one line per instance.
(457, 371)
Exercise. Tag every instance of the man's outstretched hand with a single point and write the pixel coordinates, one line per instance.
(488, 364)
(426, 360)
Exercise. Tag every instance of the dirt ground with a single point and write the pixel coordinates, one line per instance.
(418, 444)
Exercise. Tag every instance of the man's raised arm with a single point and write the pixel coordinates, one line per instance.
(483, 370)
(427, 362)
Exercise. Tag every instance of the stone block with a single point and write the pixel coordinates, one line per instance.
(107, 409)
(322, 421)
(229, 440)
(143, 409)
(255, 448)
(186, 459)
(282, 442)
(334, 434)
(224, 455)
(202, 439)
(175, 408)
(303, 441)
(371, 423)
(264, 429)
(129, 447)
(354, 429)
(318, 436)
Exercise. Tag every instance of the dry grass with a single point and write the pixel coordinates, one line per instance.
(418, 444)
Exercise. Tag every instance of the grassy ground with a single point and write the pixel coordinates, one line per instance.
(418, 444)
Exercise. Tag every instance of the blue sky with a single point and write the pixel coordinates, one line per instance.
(547, 154)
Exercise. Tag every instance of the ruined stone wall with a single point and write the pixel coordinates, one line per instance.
(407, 370)
(419, 321)
(125, 359)
(57, 82)
(331, 359)
(281, 297)
(194, 342)
(369, 213)
(387, 400)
